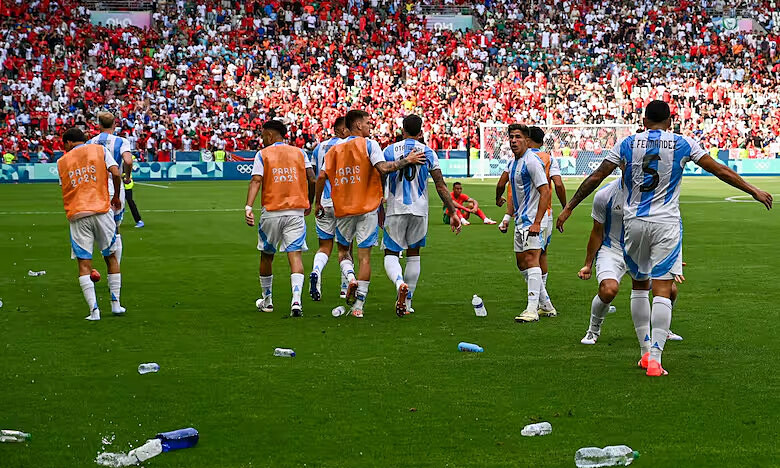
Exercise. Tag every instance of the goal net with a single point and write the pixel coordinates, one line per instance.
(579, 149)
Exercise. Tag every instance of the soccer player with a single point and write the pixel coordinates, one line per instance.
(119, 148)
(355, 169)
(84, 176)
(406, 221)
(527, 176)
(287, 180)
(605, 246)
(654, 161)
(326, 224)
(466, 205)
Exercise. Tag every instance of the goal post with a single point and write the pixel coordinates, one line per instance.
(579, 149)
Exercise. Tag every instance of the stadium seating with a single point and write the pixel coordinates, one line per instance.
(208, 73)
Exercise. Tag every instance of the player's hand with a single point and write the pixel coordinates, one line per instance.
(503, 226)
(763, 197)
(116, 203)
(679, 279)
(534, 229)
(307, 211)
(319, 211)
(562, 219)
(455, 224)
(585, 272)
(500, 201)
(415, 157)
(127, 179)
(249, 217)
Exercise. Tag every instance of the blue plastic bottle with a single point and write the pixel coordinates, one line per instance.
(175, 440)
(469, 347)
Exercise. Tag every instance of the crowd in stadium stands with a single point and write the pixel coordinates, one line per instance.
(208, 73)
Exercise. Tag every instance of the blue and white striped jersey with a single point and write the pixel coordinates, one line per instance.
(116, 146)
(318, 164)
(608, 210)
(654, 166)
(526, 175)
(406, 191)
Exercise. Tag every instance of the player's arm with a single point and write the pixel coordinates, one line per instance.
(586, 188)
(386, 167)
(560, 189)
(318, 189)
(500, 188)
(254, 188)
(444, 194)
(541, 210)
(727, 175)
(503, 226)
(127, 165)
(116, 203)
(594, 244)
(475, 204)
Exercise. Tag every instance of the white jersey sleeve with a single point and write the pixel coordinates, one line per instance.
(306, 161)
(599, 210)
(110, 161)
(257, 167)
(555, 168)
(375, 154)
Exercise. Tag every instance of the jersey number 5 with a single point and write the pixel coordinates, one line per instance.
(650, 185)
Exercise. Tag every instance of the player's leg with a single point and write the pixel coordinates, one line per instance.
(366, 236)
(326, 232)
(660, 320)
(610, 268)
(345, 232)
(528, 250)
(393, 243)
(294, 242)
(416, 234)
(106, 240)
(267, 233)
(139, 223)
(118, 216)
(82, 240)
(672, 335)
(636, 254)
(464, 216)
(546, 308)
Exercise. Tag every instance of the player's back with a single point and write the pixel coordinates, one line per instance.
(284, 177)
(406, 191)
(356, 183)
(84, 181)
(654, 163)
(608, 210)
(116, 145)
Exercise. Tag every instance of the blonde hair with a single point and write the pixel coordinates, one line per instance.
(106, 120)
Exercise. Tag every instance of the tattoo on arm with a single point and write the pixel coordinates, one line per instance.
(589, 185)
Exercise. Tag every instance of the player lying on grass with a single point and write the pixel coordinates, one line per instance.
(84, 176)
(466, 206)
(284, 174)
(654, 161)
(406, 220)
(605, 246)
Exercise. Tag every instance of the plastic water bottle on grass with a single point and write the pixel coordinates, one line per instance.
(479, 306)
(148, 367)
(613, 455)
(14, 436)
(284, 352)
(151, 448)
(538, 429)
(469, 347)
(180, 439)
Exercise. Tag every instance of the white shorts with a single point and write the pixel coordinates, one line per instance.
(281, 234)
(86, 232)
(547, 230)
(524, 241)
(363, 228)
(326, 226)
(119, 215)
(610, 264)
(653, 250)
(404, 231)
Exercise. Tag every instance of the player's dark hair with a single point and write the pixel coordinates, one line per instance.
(276, 126)
(456, 183)
(74, 135)
(516, 126)
(353, 116)
(412, 125)
(339, 122)
(657, 111)
(536, 134)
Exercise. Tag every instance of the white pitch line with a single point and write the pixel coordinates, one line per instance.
(152, 185)
(744, 198)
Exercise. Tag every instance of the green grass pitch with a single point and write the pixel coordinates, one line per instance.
(381, 391)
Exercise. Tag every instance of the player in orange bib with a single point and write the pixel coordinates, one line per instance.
(355, 168)
(83, 173)
(285, 175)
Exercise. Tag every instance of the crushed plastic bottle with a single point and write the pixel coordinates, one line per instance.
(14, 436)
(469, 347)
(36, 273)
(338, 311)
(178, 439)
(538, 429)
(613, 455)
(148, 367)
(284, 352)
(479, 306)
(151, 448)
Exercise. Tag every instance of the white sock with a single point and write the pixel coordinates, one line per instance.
(362, 292)
(544, 297)
(114, 286)
(394, 271)
(88, 288)
(661, 320)
(266, 285)
(347, 270)
(296, 281)
(598, 310)
(320, 260)
(411, 275)
(534, 279)
(343, 282)
(640, 314)
(118, 251)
